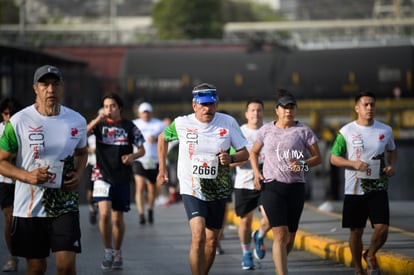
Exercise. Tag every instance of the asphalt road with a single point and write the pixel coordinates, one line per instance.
(162, 248)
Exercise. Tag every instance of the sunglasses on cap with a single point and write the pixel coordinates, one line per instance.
(205, 92)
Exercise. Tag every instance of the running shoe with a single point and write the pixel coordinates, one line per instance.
(259, 250)
(92, 214)
(141, 219)
(107, 261)
(150, 216)
(219, 250)
(247, 261)
(11, 264)
(372, 265)
(117, 263)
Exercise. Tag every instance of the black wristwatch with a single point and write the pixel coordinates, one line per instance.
(232, 159)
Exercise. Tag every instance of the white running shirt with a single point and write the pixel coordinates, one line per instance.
(357, 142)
(244, 174)
(199, 145)
(153, 127)
(43, 138)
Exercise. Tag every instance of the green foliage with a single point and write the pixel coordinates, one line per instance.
(247, 11)
(187, 19)
(192, 19)
(9, 12)
(263, 12)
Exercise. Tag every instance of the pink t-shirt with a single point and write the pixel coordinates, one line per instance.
(281, 147)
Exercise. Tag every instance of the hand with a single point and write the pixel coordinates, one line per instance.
(38, 176)
(295, 166)
(72, 182)
(162, 178)
(101, 116)
(224, 158)
(388, 171)
(360, 165)
(127, 159)
(257, 181)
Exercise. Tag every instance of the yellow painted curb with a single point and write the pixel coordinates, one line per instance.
(327, 248)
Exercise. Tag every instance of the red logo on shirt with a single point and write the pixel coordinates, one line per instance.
(35, 129)
(74, 132)
(111, 132)
(381, 137)
(223, 132)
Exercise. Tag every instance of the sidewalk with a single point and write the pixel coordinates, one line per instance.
(321, 233)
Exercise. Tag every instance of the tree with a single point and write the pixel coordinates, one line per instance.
(190, 19)
(247, 11)
(9, 12)
(187, 19)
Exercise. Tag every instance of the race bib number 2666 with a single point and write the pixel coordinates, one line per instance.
(205, 166)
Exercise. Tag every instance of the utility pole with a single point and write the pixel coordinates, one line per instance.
(113, 10)
(22, 21)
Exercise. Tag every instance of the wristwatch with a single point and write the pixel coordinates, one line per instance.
(232, 159)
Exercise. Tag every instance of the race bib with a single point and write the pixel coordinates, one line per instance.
(204, 166)
(55, 169)
(100, 188)
(373, 170)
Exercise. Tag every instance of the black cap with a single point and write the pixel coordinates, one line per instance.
(44, 70)
(286, 100)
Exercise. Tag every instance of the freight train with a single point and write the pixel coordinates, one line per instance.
(325, 81)
(167, 74)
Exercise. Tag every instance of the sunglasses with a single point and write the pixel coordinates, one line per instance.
(205, 92)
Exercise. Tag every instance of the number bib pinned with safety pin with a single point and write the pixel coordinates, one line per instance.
(205, 166)
(373, 170)
(55, 170)
(100, 188)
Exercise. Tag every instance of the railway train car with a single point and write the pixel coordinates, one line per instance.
(166, 74)
(18, 64)
(325, 80)
(340, 73)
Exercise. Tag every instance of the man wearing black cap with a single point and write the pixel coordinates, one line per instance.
(49, 141)
(205, 138)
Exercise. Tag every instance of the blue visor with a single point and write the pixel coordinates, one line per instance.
(205, 96)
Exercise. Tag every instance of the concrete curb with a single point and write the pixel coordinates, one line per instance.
(328, 248)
